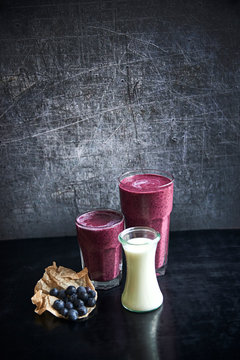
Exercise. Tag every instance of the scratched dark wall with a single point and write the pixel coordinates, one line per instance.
(91, 89)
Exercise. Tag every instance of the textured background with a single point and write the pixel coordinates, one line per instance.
(90, 89)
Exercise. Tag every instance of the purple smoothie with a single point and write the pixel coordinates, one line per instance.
(97, 233)
(147, 200)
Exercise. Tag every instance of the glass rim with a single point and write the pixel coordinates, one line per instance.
(101, 226)
(148, 172)
(139, 228)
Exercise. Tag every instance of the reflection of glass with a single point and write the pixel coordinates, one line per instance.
(141, 292)
(100, 251)
(143, 330)
(152, 335)
(146, 200)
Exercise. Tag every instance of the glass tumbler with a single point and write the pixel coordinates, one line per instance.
(100, 251)
(146, 198)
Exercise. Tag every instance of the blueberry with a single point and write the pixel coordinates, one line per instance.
(81, 289)
(72, 314)
(83, 295)
(62, 295)
(71, 290)
(78, 302)
(88, 288)
(82, 310)
(90, 302)
(91, 293)
(54, 292)
(58, 304)
(68, 305)
(72, 297)
(64, 312)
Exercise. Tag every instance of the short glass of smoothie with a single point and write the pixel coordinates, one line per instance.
(141, 292)
(146, 198)
(100, 250)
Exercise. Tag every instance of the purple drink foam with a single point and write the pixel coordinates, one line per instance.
(97, 233)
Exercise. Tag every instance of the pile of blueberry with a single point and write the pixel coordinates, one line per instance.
(73, 302)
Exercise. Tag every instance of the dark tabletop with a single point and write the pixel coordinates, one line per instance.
(199, 319)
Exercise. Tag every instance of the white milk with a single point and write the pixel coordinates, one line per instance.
(141, 292)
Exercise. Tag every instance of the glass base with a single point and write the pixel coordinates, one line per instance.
(106, 285)
(162, 270)
(145, 311)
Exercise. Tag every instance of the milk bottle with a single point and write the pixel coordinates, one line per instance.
(141, 292)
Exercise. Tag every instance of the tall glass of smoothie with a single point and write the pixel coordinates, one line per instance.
(146, 198)
(100, 250)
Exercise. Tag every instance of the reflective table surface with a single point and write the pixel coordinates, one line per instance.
(199, 318)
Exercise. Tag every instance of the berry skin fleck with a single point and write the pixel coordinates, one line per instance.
(82, 310)
(78, 302)
(58, 304)
(64, 312)
(91, 293)
(83, 295)
(71, 290)
(72, 314)
(72, 297)
(54, 292)
(81, 289)
(69, 305)
(62, 295)
(90, 302)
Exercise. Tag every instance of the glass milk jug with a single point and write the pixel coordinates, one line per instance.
(141, 292)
